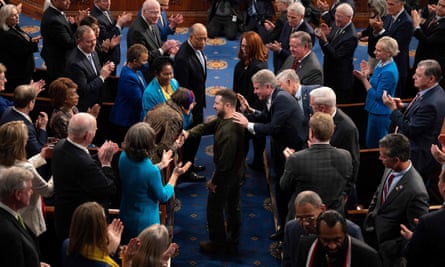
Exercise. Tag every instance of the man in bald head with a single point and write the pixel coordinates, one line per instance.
(79, 177)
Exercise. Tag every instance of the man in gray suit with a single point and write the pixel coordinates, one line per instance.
(400, 198)
(319, 167)
(303, 60)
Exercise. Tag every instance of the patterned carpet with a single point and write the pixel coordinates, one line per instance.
(190, 218)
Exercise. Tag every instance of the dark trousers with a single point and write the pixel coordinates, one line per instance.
(222, 25)
(226, 199)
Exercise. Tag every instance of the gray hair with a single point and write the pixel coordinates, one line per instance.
(378, 6)
(296, 7)
(324, 96)
(288, 74)
(303, 37)
(432, 68)
(308, 197)
(264, 77)
(80, 124)
(5, 12)
(390, 45)
(12, 179)
(346, 9)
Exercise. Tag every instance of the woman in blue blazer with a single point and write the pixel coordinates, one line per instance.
(141, 180)
(128, 104)
(384, 78)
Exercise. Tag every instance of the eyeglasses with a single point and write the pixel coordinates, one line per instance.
(307, 219)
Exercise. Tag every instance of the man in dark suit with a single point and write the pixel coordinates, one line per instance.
(318, 167)
(167, 26)
(308, 206)
(144, 30)
(222, 19)
(17, 243)
(191, 73)
(58, 37)
(421, 120)
(338, 44)
(430, 35)
(79, 178)
(328, 12)
(83, 67)
(257, 12)
(109, 26)
(283, 120)
(399, 199)
(398, 25)
(334, 247)
(24, 101)
(303, 60)
(295, 22)
(290, 82)
(426, 246)
(346, 134)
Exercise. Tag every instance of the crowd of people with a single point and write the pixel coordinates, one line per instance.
(157, 122)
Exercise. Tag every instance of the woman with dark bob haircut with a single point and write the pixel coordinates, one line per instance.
(64, 98)
(141, 180)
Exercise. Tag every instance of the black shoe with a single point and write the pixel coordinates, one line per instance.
(198, 168)
(256, 167)
(194, 177)
(211, 247)
(277, 236)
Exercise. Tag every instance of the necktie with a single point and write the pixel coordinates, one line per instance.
(108, 17)
(251, 10)
(295, 64)
(162, 21)
(391, 23)
(431, 22)
(155, 36)
(20, 219)
(417, 97)
(387, 187)
(90, 59)
(201, 59)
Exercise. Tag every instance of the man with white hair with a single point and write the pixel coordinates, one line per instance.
(338, 44)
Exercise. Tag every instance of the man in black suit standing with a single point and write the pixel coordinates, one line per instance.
(144, 30)
(24, 102)
(338, 44)
(109, 26)
(17, 244)
(79, 178)
(399, 199)
(430, 35)
(334, 247)
(191, 73)
(83, 67)
(58, 36)
(283, 120)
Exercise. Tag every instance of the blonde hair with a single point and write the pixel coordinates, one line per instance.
(154, 241)
(13, 136)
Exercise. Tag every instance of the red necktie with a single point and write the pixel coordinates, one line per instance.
(387, 186)
(295, 64)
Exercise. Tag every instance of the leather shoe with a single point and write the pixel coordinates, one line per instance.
(194, 177)
(198, 168)
(277, 236)
(211, 247)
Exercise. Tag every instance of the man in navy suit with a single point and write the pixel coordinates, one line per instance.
(17, 244)
(399, 199)
(24, 102)
(398, 25)
(303, 60)
(338, 44)
(283, 120)
(295, 22)
(109, 26)
(421, 120)
(83, 67)
(167, 26)
(308, 206)
(328, 12)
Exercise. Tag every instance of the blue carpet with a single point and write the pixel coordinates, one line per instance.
(190, 218)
